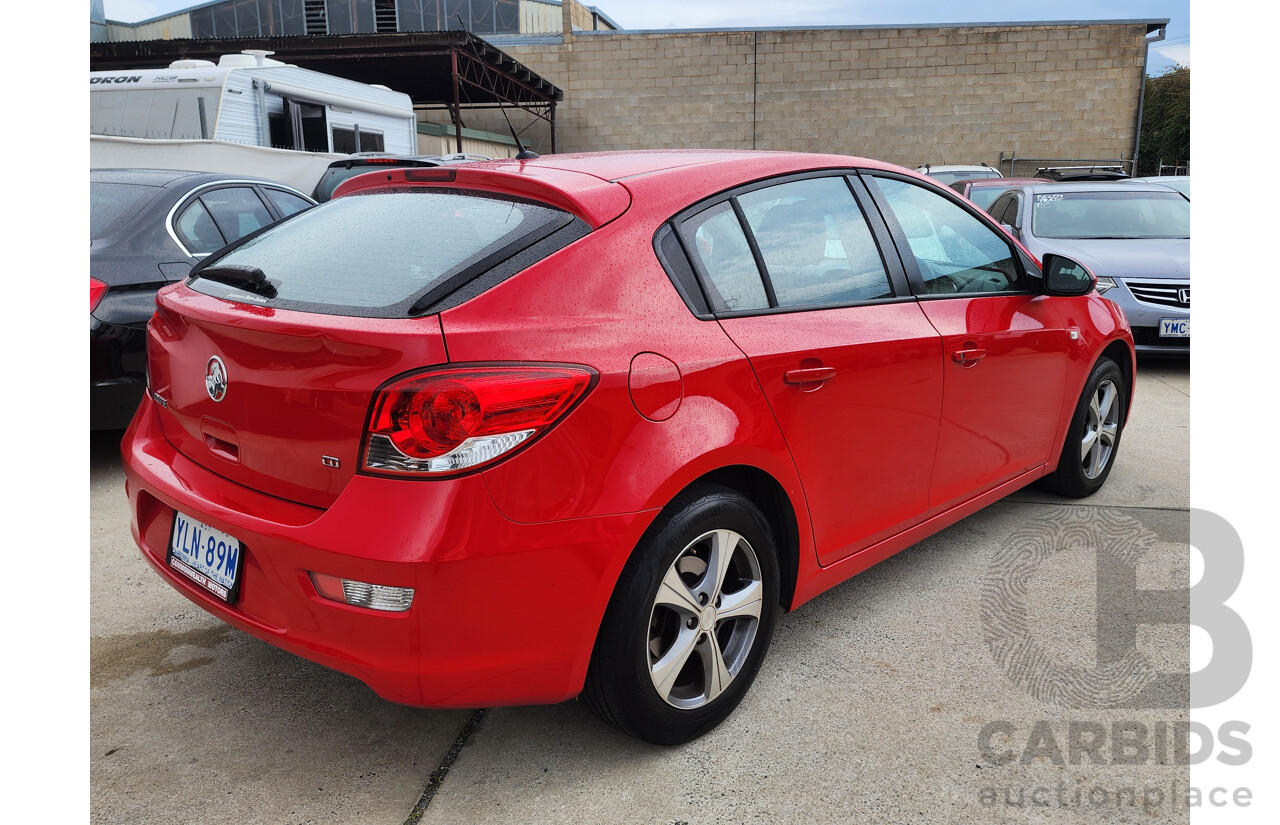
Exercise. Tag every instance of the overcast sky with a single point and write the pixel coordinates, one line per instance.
(683, 14)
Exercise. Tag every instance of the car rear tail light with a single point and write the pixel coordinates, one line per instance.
(362, 594)
(453, 420)
(96, 290)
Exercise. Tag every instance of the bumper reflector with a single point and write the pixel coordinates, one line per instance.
(362, 594)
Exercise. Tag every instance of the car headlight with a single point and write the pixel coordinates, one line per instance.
(1104, 284)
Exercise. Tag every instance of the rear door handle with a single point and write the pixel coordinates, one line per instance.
(808, 376)
(968, 357)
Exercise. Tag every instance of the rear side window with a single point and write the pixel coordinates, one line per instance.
(815, 243)
(287, 203)
(197, 231)
(384, 253)
(719, 244)
(237, 210)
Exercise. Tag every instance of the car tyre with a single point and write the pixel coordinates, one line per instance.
(1093, 439)
(690, 619)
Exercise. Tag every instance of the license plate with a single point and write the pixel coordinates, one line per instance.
(208, 557)
(1175, 327)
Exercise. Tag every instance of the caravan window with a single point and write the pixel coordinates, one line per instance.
(176, 114)
(344, 141)
(299, 125)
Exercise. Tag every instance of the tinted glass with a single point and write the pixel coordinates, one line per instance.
(287, 203)
(717, 240)
(237, 210)
(815, 242)
(197, 230)
(378, 251)
(1098, 215)
(955, 251)
(111, 205)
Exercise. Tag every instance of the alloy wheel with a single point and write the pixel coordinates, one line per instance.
(704, 619)
(1101, 425)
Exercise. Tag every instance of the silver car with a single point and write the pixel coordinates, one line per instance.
(1135, 237)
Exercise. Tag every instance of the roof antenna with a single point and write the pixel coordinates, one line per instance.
(523, 154)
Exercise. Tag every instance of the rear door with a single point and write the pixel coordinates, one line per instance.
(848, 362)
(1005, 348)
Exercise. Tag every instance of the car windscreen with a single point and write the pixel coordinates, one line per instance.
(112, 205)
(379, 254)
(1102, 215)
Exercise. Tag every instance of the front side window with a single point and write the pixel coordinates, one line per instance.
(954, 251)
(816, 245)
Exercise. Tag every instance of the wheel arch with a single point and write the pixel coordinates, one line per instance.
(1122, 353)
(767, 493)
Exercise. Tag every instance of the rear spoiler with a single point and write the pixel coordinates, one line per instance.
(593, 200)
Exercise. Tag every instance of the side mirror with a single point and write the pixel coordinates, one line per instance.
(1063, 276)
(1011, 230)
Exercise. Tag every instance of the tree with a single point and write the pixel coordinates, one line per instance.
(1166, 121)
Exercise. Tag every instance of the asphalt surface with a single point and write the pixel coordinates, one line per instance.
(892, 698)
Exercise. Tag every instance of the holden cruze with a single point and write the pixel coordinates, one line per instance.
(520, 431)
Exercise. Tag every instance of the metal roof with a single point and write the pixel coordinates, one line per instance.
(420, 64)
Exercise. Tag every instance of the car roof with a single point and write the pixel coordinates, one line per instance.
(1127, 185)
(1008, 183)
(730, 165)
(169, 177)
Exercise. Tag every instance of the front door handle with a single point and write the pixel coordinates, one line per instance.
(811, 375)
(968, 357)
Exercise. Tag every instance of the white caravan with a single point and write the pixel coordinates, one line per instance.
(247, 114)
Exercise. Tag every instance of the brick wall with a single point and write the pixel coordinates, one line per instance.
(909, 96)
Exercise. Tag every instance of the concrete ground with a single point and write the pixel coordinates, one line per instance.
(875, 703)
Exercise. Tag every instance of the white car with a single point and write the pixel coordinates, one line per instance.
(950, 173)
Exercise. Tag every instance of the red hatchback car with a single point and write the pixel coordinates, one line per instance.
(520, 431)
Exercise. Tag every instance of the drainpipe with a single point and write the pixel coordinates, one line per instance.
(1142, 96)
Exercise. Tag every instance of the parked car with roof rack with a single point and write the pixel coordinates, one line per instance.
(147, 228)
(1077, 174)
(1178, 183)
(1135, 237)
(950, 173)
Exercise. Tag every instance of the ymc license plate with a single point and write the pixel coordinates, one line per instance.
(208, 557)
(1175, 327)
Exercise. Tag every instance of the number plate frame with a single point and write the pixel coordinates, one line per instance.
(1168, 327)
(201, 577)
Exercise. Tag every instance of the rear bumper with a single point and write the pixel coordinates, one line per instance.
(503, 613)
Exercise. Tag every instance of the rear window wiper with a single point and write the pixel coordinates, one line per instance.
(248, 278)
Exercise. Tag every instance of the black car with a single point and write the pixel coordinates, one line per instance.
(147, 228)
(358, 164)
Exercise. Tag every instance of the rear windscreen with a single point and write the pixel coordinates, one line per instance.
(111, 205)
(382, 253)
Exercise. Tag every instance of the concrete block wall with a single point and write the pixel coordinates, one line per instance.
(905, 95)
